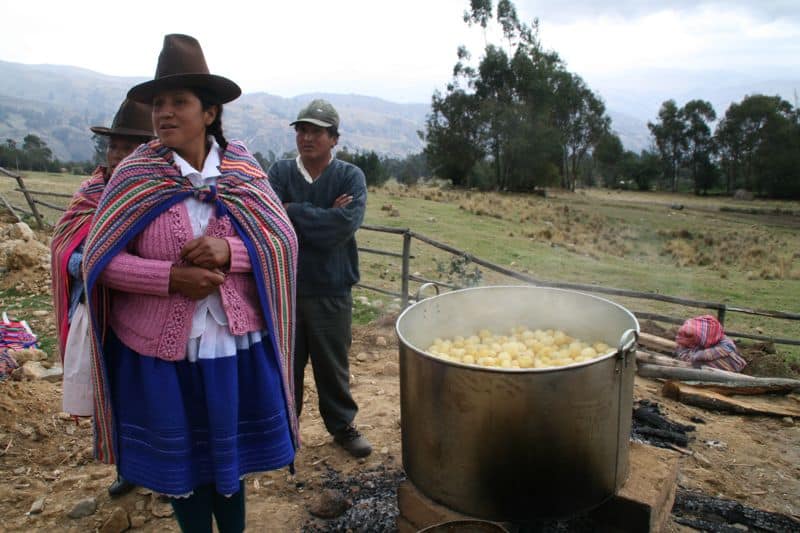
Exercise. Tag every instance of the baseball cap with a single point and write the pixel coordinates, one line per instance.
(320, 113)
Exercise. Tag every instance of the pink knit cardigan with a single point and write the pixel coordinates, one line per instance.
(150, 320)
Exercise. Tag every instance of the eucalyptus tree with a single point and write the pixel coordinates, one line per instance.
(748, 132)
(608, 156)
(582, 122)
(671, 141)
(700, 148)
(508, 113)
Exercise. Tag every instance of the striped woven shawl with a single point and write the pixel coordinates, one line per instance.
(702, 341)
(145, 185)
(69, 233)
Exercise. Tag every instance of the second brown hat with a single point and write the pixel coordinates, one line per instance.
(132, 120)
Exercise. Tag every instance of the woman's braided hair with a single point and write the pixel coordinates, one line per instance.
(215, 128)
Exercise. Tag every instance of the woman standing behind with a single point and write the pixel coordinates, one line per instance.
(193, 361)
(132, 126)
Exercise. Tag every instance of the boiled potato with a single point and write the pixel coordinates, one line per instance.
(521, 348)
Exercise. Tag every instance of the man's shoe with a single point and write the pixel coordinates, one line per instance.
(353, 442)
(119, 487)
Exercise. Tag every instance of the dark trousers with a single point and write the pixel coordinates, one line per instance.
(194, 513)
(324, 335)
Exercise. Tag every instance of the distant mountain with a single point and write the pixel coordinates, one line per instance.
(60, 103)
(631, 131)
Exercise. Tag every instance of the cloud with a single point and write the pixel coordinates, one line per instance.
(564, 12)
(705, 39)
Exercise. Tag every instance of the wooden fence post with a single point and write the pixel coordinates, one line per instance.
(406, 261)
(28, 197)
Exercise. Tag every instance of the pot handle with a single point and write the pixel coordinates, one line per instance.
(425, 286)
(627, 342)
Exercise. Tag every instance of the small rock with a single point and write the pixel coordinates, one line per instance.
(787, 421)
(385, 450)
(702, 459)
(23, 255)
(390, 368)
(19, 471)
(34, 371)
(28, 354)
(330, 504)
(361, 357)
(380, 341)
(160, 509)
(38, 506)
(83, 508)
(22, 231)
(137, 521)
(40, 312)
(117, 522)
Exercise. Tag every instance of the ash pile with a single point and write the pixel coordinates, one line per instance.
(365, 502)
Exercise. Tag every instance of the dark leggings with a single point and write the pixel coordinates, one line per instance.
(194, 513)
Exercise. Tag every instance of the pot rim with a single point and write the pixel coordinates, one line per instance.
(478, 368)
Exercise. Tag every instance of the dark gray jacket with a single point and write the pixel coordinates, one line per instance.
(328, 256)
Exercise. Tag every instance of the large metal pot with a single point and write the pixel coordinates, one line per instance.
(516, 444)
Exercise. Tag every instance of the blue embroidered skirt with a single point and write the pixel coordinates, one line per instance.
(182, 424)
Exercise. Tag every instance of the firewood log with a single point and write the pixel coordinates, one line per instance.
(647, 357)
(657, 343)
(718, 402)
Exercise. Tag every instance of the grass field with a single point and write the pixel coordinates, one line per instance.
(744, 254)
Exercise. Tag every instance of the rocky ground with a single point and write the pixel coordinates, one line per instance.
(49, 481)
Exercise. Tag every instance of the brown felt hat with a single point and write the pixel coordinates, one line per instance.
(182, 65)
(132, 120)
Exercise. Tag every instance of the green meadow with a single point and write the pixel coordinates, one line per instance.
(741, 253)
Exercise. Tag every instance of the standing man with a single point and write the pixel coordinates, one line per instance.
(325, 199)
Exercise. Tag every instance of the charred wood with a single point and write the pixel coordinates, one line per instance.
(709, 513)
(651, 426)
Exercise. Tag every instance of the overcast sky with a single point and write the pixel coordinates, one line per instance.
(402, 51)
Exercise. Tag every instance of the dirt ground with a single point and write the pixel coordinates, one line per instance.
(46, 458)
(44, 454)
